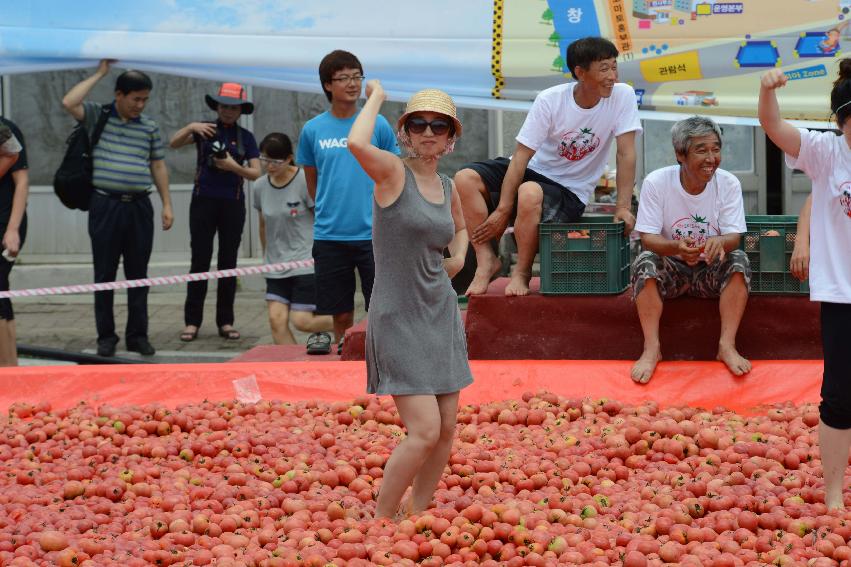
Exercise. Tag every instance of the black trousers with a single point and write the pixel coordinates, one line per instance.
(206, 218)
(835, 407)
(121, 230)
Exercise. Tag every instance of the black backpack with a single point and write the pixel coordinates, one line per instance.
(73, 180)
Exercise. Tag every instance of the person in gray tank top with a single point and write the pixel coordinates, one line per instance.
(416, 350)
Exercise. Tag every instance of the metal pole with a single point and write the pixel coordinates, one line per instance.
(5, 96)
(495, 133)
(247, 122)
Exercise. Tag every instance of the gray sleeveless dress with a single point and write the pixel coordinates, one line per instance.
(415, 341)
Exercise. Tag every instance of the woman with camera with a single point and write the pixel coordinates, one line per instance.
(227, 155)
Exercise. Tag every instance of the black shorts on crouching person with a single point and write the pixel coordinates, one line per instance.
(299, 292)
(560, 203)
(835, 407)
(334, 264)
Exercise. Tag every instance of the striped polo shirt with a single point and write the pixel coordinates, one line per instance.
(123, 155)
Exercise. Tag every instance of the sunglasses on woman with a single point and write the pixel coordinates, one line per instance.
(417, 125)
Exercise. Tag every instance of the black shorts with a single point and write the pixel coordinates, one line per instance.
(335, 262)
(299, 292)
(560, 203)
(835, 407)
(6, 312)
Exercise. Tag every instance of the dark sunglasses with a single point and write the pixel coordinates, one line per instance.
(439, 126)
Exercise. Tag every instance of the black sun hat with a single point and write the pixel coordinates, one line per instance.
(233, 94)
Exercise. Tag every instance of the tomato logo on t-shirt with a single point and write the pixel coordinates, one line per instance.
(694, 227)
(576, 145)
(845, 198)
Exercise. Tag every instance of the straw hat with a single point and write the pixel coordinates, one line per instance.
(431, 100)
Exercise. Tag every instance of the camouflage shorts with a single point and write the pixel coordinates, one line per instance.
(675, 278)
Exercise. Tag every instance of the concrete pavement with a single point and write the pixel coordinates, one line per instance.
(67, 322)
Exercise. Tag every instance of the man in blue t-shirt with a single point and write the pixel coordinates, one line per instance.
(342, 192)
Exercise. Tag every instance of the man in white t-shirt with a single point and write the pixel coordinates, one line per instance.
(691, 217)
(562, 150)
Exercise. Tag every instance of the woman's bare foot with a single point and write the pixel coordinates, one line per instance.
(404, 511)
(737, 364)
(644, 367)
(485, 271)
(519, 284)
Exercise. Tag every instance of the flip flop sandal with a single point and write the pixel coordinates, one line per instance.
(189, 336)
(319, 343)
(340, 346)
(229, 334)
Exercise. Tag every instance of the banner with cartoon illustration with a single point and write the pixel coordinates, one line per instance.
(682, 55)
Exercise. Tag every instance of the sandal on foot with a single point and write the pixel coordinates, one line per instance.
(189, 336)
(319, 343)
(229, 334)
(340, 346)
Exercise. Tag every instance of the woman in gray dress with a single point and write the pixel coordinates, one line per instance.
(415, 345)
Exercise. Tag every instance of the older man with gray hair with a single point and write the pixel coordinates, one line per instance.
(691, 217)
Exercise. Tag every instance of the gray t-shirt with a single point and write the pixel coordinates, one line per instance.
(288, 214)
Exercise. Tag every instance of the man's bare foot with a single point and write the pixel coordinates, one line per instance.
(738, 364)
(834, 504)
(644, 367)
(519, 284)
(483, 276)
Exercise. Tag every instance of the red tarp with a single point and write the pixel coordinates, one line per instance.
(700, 384)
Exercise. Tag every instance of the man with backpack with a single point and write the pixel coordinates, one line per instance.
(227, 156)
(127, 159)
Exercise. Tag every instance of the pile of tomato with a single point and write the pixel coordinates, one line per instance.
(543, 480)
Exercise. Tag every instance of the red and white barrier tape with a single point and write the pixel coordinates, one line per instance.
(160, 280)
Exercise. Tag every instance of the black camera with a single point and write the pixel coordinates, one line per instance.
(220, 151)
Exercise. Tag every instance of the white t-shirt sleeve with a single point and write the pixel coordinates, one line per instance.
(537, 125)
(10, 147)
(628, 120)
(731, 216)
(814, 155)
(650, 213)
